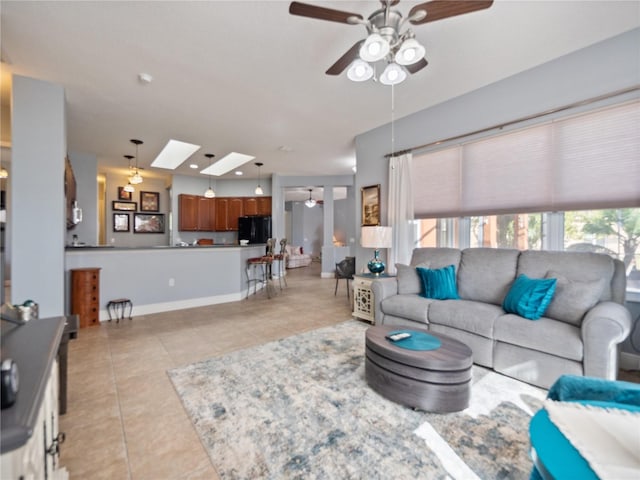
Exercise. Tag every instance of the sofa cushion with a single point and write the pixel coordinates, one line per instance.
(413, 307)
(529, 297)
(439, 284)
(436, 257)
(474, 317)
(408, 278)
(485, 274)
(545, 335)
(585, 266)
(573, 298)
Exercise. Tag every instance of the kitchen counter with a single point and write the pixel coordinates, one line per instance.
(159, 279)
(33, 346)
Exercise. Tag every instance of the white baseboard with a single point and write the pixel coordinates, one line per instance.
(327, 275)
(180, 304)
(629, 361)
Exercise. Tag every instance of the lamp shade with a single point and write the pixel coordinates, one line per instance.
(376, 237)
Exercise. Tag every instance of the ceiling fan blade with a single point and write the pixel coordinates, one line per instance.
(440, 9)
(345, 60)
(416, 67)
(321, 13)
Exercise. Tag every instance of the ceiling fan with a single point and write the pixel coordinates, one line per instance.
(385, 40)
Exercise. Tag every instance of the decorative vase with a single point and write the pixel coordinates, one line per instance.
(376, 266)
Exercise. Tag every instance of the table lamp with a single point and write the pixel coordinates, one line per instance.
(377, 238)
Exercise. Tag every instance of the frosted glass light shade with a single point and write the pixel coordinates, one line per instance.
(374, 48)
(393, 74)
(359, 71)
(409, 52)
(258, 190)
(136, 179)
(209, 193)
(129, 188)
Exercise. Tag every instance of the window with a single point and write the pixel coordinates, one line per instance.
(615, 232)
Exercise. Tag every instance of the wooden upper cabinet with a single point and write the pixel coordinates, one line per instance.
(187, 212)
(206, 214)
(264, 205)
(222, 213)
(236, 209)
(250, 205)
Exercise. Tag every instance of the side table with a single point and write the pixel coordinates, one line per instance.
(363, 296)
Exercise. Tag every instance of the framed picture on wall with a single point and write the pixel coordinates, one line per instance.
(149, 202)
(124, 206)
(148, 223)
(120, 222)
(123, 194)
(370, 205)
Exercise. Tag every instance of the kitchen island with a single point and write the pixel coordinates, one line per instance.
(159, 279)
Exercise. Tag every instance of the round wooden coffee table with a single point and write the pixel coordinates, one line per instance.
(435, 380)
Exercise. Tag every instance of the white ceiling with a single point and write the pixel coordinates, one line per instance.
(246, 76)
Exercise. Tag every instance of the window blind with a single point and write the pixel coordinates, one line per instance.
(590, 161)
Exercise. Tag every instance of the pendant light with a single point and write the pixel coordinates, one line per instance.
(310, 202)
(4, 173)
(137, 178)
(259, 188)
(129, 187)
(209, 193)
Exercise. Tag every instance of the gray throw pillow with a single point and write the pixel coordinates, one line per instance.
(408, 279)
(573, 298)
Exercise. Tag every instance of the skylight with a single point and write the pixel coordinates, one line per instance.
(174, 153)
(227, 163)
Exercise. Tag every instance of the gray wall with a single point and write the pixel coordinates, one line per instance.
(85, 169)
(38, 213)
(597, 70)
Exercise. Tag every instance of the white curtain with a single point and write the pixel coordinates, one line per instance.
(400, 211)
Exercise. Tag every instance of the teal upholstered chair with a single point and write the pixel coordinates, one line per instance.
(554, 456)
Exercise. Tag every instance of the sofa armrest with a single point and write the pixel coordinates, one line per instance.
(382, 288)
(603, 328)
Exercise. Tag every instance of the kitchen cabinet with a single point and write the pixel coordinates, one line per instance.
(228, 209)
(206, 214)
(196, 213)
(257, 205)
(188, 213)
(200, 214)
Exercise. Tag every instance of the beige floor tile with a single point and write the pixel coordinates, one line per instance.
(124, 419)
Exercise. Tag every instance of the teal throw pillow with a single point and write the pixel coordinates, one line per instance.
(439, 284)
(529, 297)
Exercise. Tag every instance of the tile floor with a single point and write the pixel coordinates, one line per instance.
(124, 419)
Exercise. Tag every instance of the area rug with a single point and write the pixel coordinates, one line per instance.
(301, 408)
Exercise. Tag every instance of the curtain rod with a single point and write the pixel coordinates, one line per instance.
(521, 119)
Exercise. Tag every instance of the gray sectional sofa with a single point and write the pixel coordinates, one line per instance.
(578, 334)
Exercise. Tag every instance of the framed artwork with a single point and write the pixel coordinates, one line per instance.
(370, 205)
(124, 206)
(148, 223)
(120, 222)
(123, 194)
(149, 202)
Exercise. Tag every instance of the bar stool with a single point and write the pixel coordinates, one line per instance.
(265, 263)
(281, 258)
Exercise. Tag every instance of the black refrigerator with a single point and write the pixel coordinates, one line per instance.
(255, 228)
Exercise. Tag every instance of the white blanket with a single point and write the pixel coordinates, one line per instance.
(607, 438)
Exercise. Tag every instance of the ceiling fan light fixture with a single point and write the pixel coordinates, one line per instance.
(393, 75)
(409, 52)
(359, 71)
(374, 48)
